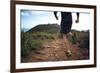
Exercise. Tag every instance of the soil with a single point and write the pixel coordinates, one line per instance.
(56, 51)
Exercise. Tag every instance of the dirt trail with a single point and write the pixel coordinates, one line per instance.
(56, 51)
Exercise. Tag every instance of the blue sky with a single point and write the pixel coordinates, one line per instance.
(31, 18)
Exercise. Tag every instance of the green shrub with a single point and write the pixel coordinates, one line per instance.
(36, 44)
(43, 35)
(72, 39)
(24, 52)
(33, 41)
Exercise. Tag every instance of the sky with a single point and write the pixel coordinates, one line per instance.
(32, 18)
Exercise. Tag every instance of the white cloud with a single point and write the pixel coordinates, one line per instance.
(84, 22)
(39, 12)
(24, 13)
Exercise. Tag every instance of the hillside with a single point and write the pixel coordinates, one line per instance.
(50, 28)
(44, 43)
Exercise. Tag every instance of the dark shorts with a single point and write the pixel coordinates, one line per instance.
(66, 22)
(66, 27)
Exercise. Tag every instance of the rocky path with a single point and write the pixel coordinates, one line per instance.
(56, 51)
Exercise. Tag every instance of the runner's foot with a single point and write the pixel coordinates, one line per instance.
(69, 53)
